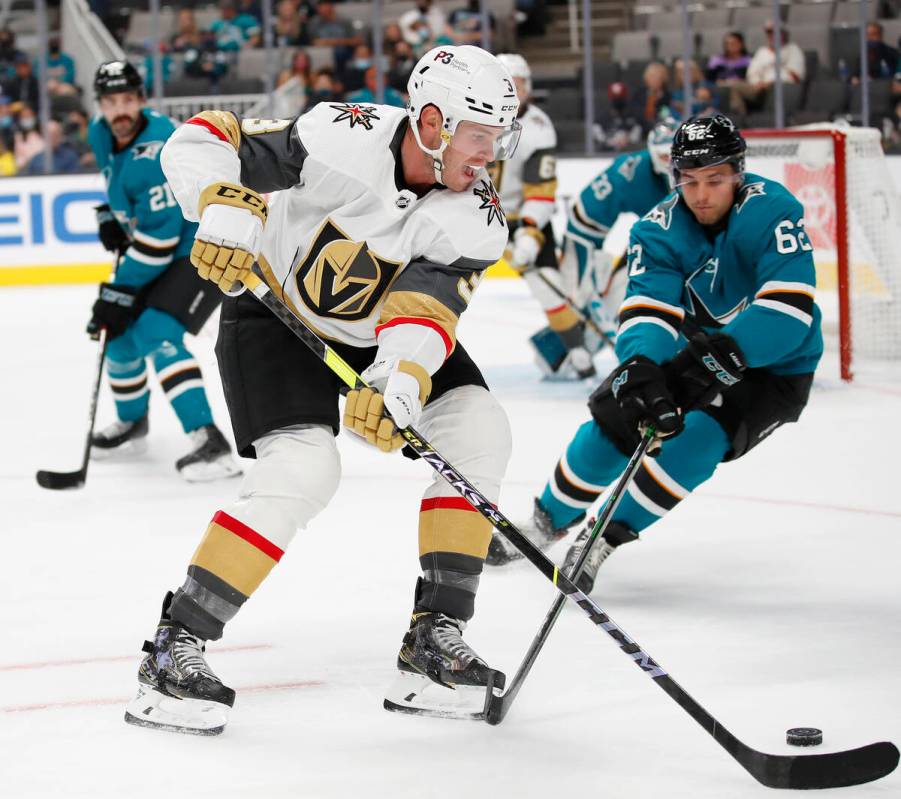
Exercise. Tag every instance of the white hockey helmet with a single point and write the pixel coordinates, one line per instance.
(518, 67)
(466, 84)
(660, 144)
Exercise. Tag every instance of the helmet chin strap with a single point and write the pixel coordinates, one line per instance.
(437, 156)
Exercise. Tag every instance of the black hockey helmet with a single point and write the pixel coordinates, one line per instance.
(117, 76)
(707, 140)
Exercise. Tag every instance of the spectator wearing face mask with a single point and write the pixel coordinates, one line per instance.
(353, 76)
(422, 24)
(27, 140)
(23, 87)
(324, 88)
(368, 93)
(60, 65)
(464, 25)
(75, 129)
(8, 54)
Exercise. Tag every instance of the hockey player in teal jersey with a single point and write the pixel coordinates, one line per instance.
(633, 184)
(155, 295)
(719, 336)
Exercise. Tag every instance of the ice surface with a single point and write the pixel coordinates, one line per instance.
(772, 596)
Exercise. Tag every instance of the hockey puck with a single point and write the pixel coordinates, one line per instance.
(804, 736)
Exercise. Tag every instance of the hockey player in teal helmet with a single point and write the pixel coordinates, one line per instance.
(154, 297)
(718, 339)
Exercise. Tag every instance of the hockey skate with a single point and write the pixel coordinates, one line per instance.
(439, 674)
(120, 440)
(210, 459)
(540, 531)
(614, 536)
(177, 690)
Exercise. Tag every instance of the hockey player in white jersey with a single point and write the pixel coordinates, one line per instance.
(527, 184)
(380, 225)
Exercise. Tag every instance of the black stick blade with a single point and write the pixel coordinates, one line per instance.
(841, 769)
(828, 770)
(58, 481)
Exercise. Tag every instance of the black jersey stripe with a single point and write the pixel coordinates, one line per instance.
(191, 373)
(572, 491)
(636, 311)
(154, 252)
(131, 388)
(800, 300)
(655, 492)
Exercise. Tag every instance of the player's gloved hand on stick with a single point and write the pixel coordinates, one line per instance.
(109, 231)
(114, 310)
(527, 243)
(704, 368)
(399, 390)
(639, 387)
(230, 234)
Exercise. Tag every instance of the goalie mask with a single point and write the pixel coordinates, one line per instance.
(660, 145)
(477, 99)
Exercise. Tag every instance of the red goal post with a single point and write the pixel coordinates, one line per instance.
(853, 219)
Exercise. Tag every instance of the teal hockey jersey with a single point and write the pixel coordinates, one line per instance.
(628, 185)
(753, 278)
(141, 199)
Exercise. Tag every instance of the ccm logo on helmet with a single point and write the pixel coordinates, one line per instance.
(444, 57)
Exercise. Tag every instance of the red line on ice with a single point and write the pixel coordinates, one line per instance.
(892, 514)
(113, 659)
(247, 689)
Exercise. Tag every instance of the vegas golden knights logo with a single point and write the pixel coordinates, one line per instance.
(342, 279)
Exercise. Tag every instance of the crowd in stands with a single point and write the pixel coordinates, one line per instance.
(740, 83)
(213, 51)
(325, 53)
(23, 144)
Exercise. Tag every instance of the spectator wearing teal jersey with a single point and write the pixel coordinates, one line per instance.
(60, 65)
(368, 95)
(232, 30)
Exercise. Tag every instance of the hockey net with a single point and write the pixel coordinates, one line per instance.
(852, 213)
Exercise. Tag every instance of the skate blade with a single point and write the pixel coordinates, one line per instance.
(418, 695)
(207, 471)
(150, 708)
(124, 452)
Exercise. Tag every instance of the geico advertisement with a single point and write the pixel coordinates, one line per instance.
(48, 230)
(49, 222)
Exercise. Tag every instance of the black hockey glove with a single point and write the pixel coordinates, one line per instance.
(639, 387)
(114, 310)
(112, 236)
(707, 366)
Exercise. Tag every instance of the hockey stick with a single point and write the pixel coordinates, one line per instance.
(76, 479)
(500, 705)
(832, 770)
(587, 320)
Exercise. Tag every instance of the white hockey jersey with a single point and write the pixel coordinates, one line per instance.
(527, 182)
(353, 250)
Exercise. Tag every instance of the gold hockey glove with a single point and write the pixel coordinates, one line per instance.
(230, 234)
(377, 416)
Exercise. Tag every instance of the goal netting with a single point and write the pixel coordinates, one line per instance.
(852, 212)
